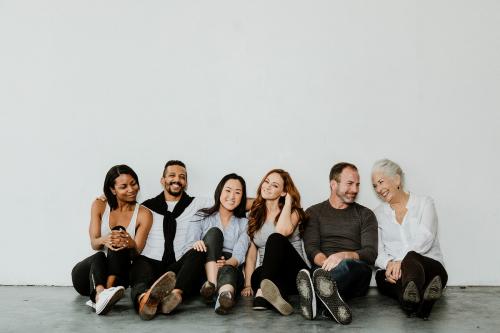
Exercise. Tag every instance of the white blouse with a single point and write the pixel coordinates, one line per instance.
(418, 231)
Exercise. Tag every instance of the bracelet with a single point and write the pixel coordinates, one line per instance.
(247, 287)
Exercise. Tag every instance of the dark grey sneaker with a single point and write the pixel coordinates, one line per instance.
(307, 296)
(272, 294)
(224, 303)
(327, 292)
(207, 291)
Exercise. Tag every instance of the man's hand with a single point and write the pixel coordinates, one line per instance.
(332, 261)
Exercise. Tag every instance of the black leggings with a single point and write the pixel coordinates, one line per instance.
(414, 267)
(280, 265)
(227, 274)
(189, 269)
(94, 271)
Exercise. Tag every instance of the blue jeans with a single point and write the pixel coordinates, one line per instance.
(352, 278)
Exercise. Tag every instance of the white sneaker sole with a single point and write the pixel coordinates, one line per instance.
(307, 296)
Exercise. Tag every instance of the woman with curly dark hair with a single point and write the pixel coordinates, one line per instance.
(275, 222)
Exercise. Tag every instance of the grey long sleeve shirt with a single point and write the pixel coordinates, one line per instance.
(331, 230)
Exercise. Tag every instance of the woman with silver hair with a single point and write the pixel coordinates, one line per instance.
(409, 256)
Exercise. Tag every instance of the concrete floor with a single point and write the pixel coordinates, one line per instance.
(60, 309)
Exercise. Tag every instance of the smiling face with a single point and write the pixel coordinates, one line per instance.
(272, 187)
(386, 187)
(231, 194)
(174, 180)
(125, 188)
(347, 188)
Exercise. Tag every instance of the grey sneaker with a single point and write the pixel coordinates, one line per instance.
(307, 296)
(327, 292)
(207, 291)
(272, 294)
(224, 303)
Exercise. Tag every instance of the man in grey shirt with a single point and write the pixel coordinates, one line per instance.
(340, 240)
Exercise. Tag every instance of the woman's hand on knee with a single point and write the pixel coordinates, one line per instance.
(200, 246)
(247, 291)
(393, 271)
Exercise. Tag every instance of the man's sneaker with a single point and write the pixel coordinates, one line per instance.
(148, 304)
(327, 292)
(107, 298)
(207, 291)
(224, 303)
(272, 294)
(90, 303)
(307, 297)
(260, 303)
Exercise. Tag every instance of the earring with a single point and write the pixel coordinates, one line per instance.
(398, 187)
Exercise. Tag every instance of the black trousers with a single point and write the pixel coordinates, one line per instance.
(414, 267)
(227, 274)
(280, 265)
(189, 269)
(94, 271)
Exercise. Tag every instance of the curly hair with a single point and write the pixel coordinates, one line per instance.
(258, 212)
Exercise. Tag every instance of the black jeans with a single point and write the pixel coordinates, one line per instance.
(189, 269)
(352, 278)
(94, 271)
(280, 265)
(414, 267)
(227, 274)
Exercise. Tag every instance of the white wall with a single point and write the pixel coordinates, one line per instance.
(245, 86)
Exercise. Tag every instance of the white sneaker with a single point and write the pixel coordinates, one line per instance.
(108, 298)
(90, 303)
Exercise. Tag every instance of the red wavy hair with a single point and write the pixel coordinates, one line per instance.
(258, 212)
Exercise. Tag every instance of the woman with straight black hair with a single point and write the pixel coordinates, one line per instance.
(118, 230)
(219, 235)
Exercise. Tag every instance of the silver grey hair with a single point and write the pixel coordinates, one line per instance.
(388, 168)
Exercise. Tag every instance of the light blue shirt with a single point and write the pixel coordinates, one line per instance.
(236, 240)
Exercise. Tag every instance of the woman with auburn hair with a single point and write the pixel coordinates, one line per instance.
(275, 222)
(118, 230)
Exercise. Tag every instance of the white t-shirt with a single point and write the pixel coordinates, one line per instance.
(155, 244)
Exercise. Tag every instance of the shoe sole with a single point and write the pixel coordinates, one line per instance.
(434, 290)
(411, 294)
(170, 302)
(161, 288)
(112, 301)
(327, 292)
(225, 305)
(272, 294)
(307, 297)
(207, 292)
